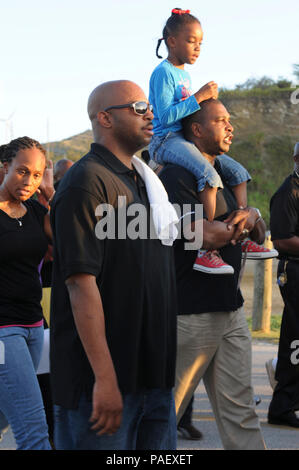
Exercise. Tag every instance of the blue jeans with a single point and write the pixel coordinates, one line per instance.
(174, 148)
(3, 422)
(20, 397)
(148, 423)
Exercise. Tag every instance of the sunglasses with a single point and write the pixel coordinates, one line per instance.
(139, 107)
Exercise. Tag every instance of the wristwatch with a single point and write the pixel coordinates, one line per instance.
(259, 215)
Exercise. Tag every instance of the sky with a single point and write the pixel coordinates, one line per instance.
(54, 53)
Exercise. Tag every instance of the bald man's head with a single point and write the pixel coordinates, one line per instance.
(61, 167)
(119, 129)
(110, 94)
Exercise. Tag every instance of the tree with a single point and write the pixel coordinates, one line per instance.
(263, 83)
(283, 83)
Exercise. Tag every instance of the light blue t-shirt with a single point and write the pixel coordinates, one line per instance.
(171, 96)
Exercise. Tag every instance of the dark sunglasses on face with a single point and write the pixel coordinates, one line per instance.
(139, 107)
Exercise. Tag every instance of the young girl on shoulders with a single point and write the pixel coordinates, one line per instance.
(172, 99)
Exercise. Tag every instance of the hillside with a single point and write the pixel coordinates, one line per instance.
(72, 147)
(266, 127)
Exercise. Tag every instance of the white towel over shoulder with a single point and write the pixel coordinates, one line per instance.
(164, 214)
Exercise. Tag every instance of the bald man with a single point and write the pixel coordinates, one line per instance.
(113, 317)
(60, 168)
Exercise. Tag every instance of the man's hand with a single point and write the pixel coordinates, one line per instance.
(107, 406)
(209, 90)
(46, 188)
(242, 219)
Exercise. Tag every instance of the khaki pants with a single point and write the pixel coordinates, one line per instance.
(217, 347)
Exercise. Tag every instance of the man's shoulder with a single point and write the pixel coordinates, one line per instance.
(175, 172)
(175, 178)
(88, 170)
(287, 188)
(180, 184)
(295, 185)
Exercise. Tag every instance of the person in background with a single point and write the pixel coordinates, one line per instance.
(186, 427)
(3, 421)
(60, 168)
(25, 234)
(284, 226)
(43, 371)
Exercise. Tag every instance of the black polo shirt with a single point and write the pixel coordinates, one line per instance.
(199, 292)
(284, 211)
(136, 280)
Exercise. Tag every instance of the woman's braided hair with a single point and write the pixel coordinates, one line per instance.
(9, 151)
(178, 19)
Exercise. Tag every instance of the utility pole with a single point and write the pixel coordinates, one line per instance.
(262, 298)
(8, 127)
(48, 138)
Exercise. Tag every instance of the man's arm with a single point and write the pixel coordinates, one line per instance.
(215, 234)
(258, 233)
(88, 314)
(181, 187)
(218, 234)
(250, 220)
(288, 245)
(284, 218)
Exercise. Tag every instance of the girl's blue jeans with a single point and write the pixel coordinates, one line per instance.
(20, 396)
(174, 148)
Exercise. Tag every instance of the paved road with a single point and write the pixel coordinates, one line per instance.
(276, 437)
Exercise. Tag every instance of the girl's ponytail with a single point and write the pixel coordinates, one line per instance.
(158, 47)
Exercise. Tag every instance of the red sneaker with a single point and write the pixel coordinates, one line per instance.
(211, 262)
(255, 251)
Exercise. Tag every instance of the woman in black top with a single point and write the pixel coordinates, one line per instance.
(24, 236)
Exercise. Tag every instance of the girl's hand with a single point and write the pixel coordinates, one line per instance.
(209, 90)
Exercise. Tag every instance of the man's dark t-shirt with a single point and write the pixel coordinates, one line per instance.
(199, 292)
(136, 280)
(284, 211)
